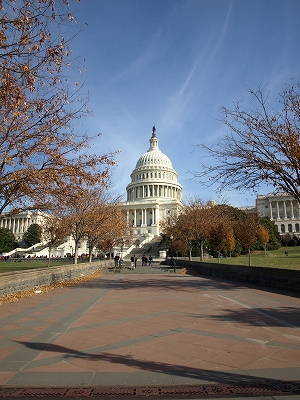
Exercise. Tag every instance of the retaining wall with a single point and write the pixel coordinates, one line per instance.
(263, 276)
(13, 282)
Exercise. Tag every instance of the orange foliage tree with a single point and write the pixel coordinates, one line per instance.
(230, 241)
(106, 224)
(220, 229)
(40, 103)
(248, 228)
(198, 217)
(264, 236)
(54, 231)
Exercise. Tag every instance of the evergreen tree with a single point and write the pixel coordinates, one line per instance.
(7, 240)
(274, 239)
(33, 235)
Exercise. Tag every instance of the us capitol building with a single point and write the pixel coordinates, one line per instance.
(153, 196)
(154, 193)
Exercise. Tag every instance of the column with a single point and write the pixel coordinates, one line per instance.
(292, 209)
(157, 215)
(284, 210)
(277, 207)
(134, 223)
(270, 207)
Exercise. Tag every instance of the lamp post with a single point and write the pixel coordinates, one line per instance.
(171, 251)
(122, 245)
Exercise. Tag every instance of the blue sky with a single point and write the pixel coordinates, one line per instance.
(173, 63)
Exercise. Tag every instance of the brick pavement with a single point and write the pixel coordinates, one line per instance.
(150, 327)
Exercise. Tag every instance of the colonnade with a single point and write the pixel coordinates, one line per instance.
(147, 216)
(284, 209)
(162, 191)
(16, 225)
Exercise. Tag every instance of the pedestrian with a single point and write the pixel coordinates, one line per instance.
(146, 261)
(117, 258)
(150, 260)
(135, 261)
(143, 260)
(132, 261)
(173, 264)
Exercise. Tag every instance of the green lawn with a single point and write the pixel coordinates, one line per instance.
(22, 265)
(274, 259)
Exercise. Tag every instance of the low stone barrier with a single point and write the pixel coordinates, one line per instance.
(284, 279)
(18, 281)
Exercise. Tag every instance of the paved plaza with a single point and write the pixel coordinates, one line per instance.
(152, 328)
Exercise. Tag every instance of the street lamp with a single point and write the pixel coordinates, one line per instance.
(171, 249)
(122, 245)
(173, 264)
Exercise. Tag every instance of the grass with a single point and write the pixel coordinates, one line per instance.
(22, 265)
(273, 259)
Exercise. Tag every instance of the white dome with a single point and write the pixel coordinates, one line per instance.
(154, 176)
(155, 157)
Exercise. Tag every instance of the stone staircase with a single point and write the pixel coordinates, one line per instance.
(152, 248)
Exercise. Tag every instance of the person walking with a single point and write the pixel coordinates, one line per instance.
(117, 258)
(173, 264)
(150, 260)
(135, 260)
(132, 262)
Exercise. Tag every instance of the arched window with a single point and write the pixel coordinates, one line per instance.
(290, 228)
(282, 228)
(297, 227)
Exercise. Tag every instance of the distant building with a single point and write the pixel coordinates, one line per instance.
(282, 209)
(19, 223)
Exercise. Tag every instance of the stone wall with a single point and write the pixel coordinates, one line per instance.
(13, 282)
(267, 277)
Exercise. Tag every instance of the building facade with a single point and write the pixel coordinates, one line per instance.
(153, 193)
(282, 209)
(19, 223)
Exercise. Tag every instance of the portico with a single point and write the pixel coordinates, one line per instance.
(281, 208)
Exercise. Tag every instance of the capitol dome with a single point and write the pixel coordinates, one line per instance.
(153, 194)
(153, 175)
(154, 156)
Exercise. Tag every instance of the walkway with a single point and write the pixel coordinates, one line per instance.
(138, 334)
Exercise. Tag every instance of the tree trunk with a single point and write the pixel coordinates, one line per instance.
(201, 251)
(249, 253)
(76, 253)
(90, 254)
(49, 255)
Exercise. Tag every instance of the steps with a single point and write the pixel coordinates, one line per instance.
(152, 248)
